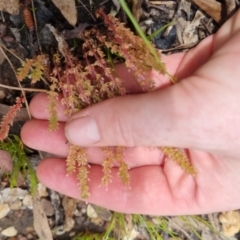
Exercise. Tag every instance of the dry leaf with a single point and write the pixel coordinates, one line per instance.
(187, 31)
(231, 6)
(69, 206)
(10, 6)
(211, 7)
(40, 222)
(137, 9)
(68, 10)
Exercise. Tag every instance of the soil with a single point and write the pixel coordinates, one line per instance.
(67, 217)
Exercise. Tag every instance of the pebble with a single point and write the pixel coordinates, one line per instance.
(9, 232)
(21, 237)
(230, 222)
(4, 210)
(47, 207)
(29, 230)
(2, 96)
(28, 201)
(16, 205)
(12, 194)
(8, 39)
(30, 236)
(42, 190)
(97, 221)
(68, 224)
(59, 231)
(133, 234)
(80, 220)
(91, 213)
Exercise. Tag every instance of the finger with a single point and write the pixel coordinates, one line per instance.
(197, 56)
(40, 102)
(136, 120)
(39, 107)
(35, 135)
(184, 115)
(148, 192)
(228, 30)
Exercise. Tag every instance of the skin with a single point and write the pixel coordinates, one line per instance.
(200, 113)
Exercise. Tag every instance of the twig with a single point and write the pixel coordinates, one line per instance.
(2, 46)
(20, 86)
(2, 16)
(36, 26)
(23, 89)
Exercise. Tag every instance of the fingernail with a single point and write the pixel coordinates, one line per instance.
(82, 131)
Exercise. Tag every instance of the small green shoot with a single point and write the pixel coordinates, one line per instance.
(160, 30)
(21, 164)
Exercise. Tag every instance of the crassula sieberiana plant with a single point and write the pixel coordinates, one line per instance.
(93, 79)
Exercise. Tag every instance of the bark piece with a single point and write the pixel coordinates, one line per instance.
(40, 220)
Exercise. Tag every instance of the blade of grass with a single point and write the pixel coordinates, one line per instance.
(145, 39)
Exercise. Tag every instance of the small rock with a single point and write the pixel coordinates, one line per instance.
(2, 96)
(83, 210)
(4, 210)
(16, 205)
(103, 213)
(28, 201)
(12, 194)
(21, 237)
(42, 190)
(91, 213)
(8, 39)
(47, 207)
(68, 224)
(80, 220)
(59, 230)
(9, 232)
(131, 235)
(72, 234)
(230, 222)
(30, 236)
(29, 230)
(97, 221)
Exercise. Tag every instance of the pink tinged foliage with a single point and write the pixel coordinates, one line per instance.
(92, 80)
(7, 120)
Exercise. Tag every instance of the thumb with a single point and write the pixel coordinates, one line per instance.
(159, 118)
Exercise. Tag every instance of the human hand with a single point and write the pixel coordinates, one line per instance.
(200, 113)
